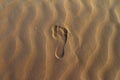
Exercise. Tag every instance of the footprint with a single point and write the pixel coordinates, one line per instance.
(61, 35)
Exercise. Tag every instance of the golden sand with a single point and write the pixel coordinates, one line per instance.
(59, 39)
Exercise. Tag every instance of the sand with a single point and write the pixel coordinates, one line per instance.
(59, 39)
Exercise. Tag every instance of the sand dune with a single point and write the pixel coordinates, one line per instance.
(60, 40)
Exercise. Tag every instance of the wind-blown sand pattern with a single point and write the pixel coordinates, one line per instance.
(60, 40)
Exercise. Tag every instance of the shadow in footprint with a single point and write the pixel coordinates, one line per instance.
(61, 35)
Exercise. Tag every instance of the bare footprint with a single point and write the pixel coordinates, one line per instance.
(61, 35)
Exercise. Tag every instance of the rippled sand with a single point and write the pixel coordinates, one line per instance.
(60, 40)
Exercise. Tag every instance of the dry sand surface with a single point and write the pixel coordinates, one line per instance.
(59, 39)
